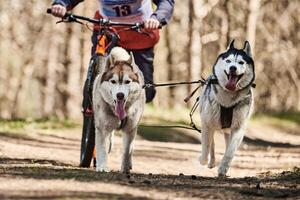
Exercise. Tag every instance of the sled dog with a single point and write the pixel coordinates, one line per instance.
(226, 104)
(118, 104)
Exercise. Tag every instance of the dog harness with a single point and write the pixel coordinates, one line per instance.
(226, 116)
(226, 113)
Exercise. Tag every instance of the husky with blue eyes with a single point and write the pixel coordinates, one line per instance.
(118, 104)
(226, 104)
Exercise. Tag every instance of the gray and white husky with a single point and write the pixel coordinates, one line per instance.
(118, 103)
(226, 104)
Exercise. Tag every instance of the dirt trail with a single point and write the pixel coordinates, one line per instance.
(43, 165)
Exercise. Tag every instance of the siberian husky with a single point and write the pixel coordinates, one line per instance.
(118, 103)
(227, 104)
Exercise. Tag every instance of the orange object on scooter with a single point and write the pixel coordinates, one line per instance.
(101, 46)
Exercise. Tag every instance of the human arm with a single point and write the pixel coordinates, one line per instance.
(164, 12)
(69, 4)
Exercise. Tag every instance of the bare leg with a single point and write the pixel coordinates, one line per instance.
(127, 151)
(234, 143)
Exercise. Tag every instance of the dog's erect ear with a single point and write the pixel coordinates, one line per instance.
(137, 72)
(247, 49)
(107, 65)
(134, 66)
(109, 62)
(131, 59)
(231, 45)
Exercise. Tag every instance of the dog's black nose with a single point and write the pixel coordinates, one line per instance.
(232, 69)
(120, 96)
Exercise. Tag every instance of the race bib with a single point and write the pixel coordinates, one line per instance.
(126, 10)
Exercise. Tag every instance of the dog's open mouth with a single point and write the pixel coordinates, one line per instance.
(120, 109)
(233, 79)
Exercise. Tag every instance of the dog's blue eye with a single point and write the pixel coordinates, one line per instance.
(113, 81)
(228, 61)
(241, 62)
(127, 82)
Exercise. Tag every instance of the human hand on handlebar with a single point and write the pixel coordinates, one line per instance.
(58, 10)
(151, 23)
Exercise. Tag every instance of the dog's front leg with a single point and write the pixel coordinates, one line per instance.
(227, 140)
(128, 138)
(234, 142)
(212, 158)
(102, 138)
(206, 140)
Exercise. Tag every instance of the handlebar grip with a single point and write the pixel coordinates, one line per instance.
(49, 10)
(163, 22)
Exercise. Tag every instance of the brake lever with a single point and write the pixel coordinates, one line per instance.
(139, 26)
(69, 19)
(61, 21)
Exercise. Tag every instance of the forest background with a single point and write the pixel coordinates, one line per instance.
(43, 65)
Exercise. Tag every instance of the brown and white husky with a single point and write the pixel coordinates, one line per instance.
(118, 103)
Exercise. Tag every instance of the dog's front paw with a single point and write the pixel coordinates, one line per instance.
(126, 165)
(203, 160)
(102, 169)
(126, 169)
(222, 171)
(211, 164)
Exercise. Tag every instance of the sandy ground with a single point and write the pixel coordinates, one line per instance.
(43, 165)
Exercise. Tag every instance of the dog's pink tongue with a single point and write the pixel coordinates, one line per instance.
(120, 110)
(231, 84)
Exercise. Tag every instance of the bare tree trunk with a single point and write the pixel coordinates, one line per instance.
(25, 75)
(195, 51)
(82, 52)
(51, 76)
(170, 63)
(82, 60)
(254, 7)
(63, 77)
(225, 26)
(42, 80)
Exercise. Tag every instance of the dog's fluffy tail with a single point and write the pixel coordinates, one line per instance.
(120, 54)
